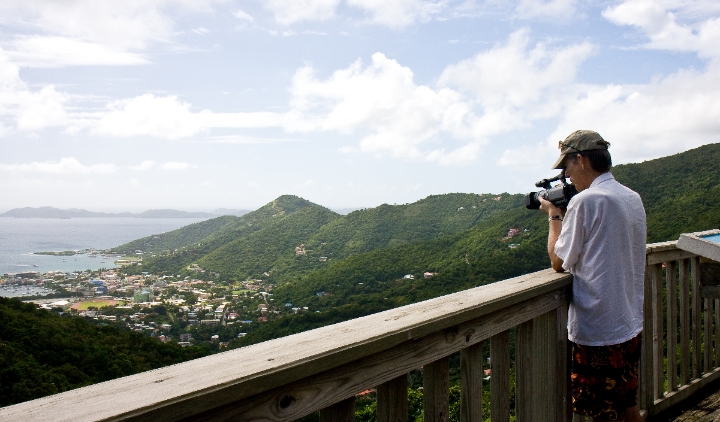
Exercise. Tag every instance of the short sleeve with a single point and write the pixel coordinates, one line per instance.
(572, 236)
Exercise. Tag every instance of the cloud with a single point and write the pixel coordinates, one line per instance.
(287, 12)
(514, 73)
(52, 51)
(382, 103)
(243, 16)
(170, 118)
(66, 165)
(665, 29)
(553, 9)
(145, 165)
(399, 13)
(174, 165)
(666, 116)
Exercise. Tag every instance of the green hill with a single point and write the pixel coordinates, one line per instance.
(42, 353)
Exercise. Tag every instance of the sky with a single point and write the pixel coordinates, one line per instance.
(202, 104)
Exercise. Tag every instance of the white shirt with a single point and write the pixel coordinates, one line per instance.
(602, 243)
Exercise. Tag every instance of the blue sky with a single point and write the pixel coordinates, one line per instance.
(201, 104)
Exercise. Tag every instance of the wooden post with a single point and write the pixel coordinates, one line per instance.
(646, 358)
(717, 332)
(392, 400)
(471, 383)
(436, 385)
(671, 278)
(658, 337)
(343, 411)
(707, 338)
(544, 374)
(684, 322)
(524, 356)
(562, 366)
(500, 377)
(696, 315)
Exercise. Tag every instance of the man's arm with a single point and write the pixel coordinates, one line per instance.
(555, 227)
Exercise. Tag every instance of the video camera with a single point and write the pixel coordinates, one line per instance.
(559, 195)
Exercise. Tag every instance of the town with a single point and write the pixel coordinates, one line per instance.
(185, 310)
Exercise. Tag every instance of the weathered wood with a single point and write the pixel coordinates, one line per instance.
(343, 411)
(647, 389)
(392, 400)
(169, 394)
(707, 335)
(716, 342)
(710, 291)
(658, 335)
(544, 375)
(696, 318)
(562, 367)
(500, 377)
(672, 315)
(471, 383)
(320, 390)
(668, 255)
(684, 392)
(684, 282)
(654, 248)
(523, 371)
(436, 385)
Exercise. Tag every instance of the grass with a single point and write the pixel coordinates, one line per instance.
(83, 306)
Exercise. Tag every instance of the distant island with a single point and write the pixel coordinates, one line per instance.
(51, 212)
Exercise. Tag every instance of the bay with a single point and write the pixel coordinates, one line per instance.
(20, 237)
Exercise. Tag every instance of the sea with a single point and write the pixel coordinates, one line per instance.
(21, 237)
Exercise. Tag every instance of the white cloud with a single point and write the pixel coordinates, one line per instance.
(382, 103)
(290, 11)
(515, 74)
(527, 156)
(399, 13)
(666, 116)
(66, 165)
(461, 156)
(145, 165)
(663, 25)
(200, 30)
(243, 16)
(553, 9)
(175, 165)
(53, 51)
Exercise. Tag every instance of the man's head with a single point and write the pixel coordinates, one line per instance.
(589, 144)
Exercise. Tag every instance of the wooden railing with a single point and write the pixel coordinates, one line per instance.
(323, 369)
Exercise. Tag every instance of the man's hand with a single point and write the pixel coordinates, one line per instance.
(555, 227)
(549, 208)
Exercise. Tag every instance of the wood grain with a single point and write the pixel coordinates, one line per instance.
(471, 383)
(500, 377)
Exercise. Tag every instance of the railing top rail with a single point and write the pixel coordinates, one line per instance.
(226, 377)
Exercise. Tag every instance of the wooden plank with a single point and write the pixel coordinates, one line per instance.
(647, 390)
(716, 342)
(544, 375)
(707, 337)
(320, 390)
(168, 393)
(658, 335)
(696, 313)
(523, 372)
(710, 291)
(436, 390)
(471, 383)
(652, 248)
(684, 282)
(684, 392)
(500, 377)
(668, 255)
(343, 411)
(392, 400)
(562, 367)
(672, 316)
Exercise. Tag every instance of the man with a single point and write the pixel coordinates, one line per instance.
(600, 239)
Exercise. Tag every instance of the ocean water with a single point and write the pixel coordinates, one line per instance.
(20, 237)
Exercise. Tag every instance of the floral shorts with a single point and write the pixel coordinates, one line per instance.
(604, 379)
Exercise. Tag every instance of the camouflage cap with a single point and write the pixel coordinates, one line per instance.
(578, 141)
